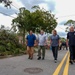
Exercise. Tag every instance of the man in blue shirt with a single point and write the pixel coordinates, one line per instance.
(71, 42)
(31, 42)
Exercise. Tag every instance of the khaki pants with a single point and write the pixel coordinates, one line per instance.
(30, 51)
(43, 51)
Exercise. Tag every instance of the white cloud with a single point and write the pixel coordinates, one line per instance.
(6, 20)
(65, 6)
(17, 3)
(43, 5)
(1, 5)
(65, 9)
(60, 28)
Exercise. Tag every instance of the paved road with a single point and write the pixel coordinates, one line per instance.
(21, 64)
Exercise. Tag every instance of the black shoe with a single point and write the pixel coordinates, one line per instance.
(74, 61)
(43, 58)
(71, 62)
(55, 61)
(29, 57)
(39, 58)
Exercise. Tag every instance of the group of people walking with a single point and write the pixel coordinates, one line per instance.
(41, 42)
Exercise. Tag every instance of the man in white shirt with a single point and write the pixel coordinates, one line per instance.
(42, 41)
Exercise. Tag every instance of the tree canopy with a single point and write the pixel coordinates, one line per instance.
(69, 23)
(35, 20)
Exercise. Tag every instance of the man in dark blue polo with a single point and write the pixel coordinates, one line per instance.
(30, 41)
(71, 42)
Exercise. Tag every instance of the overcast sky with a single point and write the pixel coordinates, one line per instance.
(63, 9)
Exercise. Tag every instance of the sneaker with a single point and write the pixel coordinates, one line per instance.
(29, 57)
(39, 58)
(71, 62)
(55, 61)
(43, 58)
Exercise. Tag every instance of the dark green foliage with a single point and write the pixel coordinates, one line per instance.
(9, 44)
(36, 20)
(69, 23)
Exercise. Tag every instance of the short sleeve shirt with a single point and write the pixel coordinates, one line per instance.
(31, 39)
(41, 39)
(71, 37)
(55, 40)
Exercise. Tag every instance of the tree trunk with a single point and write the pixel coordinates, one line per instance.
(24, 37)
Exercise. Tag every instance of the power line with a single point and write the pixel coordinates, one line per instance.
(7, 15)
(16, 4)
(61, 28)
(15, 7)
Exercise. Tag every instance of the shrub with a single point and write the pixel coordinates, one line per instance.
(9, 44)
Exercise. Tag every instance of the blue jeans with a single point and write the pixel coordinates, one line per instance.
(55, 52)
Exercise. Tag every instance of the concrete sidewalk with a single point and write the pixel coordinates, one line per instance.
(21, 65)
